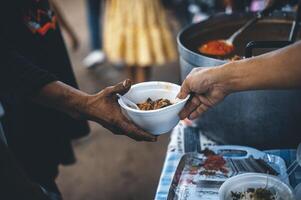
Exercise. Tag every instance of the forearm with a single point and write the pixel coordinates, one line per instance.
(102, 107)
(279, 69)
(64, 98)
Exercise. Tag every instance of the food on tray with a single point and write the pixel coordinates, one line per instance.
(213, 163)
(253, 194)
(149, 104)
(216, 48)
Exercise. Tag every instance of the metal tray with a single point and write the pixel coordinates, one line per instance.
(189, 184)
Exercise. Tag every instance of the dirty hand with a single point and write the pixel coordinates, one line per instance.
(104, 109)
(205, 89)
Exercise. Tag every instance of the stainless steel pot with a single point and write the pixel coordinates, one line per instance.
(262, 119)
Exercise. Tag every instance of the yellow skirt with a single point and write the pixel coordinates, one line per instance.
(136, 32)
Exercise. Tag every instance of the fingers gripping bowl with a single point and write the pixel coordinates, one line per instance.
(157, 121)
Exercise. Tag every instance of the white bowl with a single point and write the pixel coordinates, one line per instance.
(242, 182)
(157, 121)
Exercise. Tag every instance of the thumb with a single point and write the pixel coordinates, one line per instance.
(184, 90)
(122, 87)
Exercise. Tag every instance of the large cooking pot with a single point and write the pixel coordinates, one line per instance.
(263, 119)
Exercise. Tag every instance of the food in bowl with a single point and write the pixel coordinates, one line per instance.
(157, 121)
(254, 194)
(241, 183)
(149, 104)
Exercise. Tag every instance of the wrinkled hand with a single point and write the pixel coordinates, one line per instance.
(205, 92)
(104, 109)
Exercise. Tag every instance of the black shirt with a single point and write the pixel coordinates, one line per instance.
(18, 75)
(20, 72)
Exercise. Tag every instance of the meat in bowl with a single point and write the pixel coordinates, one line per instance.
(149, 104)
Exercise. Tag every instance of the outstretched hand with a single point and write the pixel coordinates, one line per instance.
(104, 109)
(205, 92)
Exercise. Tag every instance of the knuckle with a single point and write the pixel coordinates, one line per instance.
(202, 108)
(195, 101)
(199, 110)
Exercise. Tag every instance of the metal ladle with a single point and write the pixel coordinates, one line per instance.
(229, 42)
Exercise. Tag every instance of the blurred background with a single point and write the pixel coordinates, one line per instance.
(114, 167)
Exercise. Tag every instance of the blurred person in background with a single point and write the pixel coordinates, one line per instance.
(65, 25)
(137, 34)
(193, 11)
(180, 9)
(97, 55)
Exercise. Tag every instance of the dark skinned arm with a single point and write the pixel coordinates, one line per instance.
(101, 107)
(29, 81)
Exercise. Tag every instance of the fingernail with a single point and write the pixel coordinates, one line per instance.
(179, 96)
(126, 83)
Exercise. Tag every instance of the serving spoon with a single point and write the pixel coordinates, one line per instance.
(224, 47)
(128, 102)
